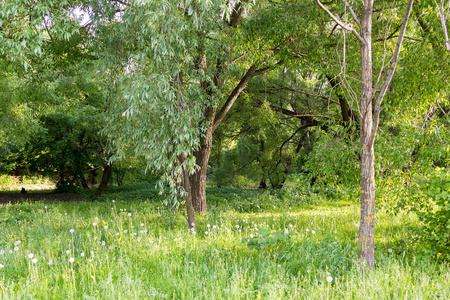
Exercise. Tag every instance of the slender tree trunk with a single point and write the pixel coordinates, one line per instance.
(186, 184)
(367, 222)
(104, 182)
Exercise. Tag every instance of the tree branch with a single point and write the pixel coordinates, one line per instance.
(352, 12)
(395, 56)
(347, 27)
(444, 26)
(233, 96)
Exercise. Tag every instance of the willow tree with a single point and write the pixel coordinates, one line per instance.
(372, 93)
(186, 62)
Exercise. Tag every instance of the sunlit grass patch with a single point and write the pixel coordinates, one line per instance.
(112, 248)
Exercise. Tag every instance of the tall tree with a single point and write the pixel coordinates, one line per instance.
(372, 94)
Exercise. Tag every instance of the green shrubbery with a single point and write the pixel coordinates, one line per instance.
(435, 215)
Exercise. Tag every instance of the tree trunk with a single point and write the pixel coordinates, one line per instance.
(186, 184)
(104, 182)
(198, 179)
(367, 222)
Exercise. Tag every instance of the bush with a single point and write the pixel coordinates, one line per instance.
(435, 233)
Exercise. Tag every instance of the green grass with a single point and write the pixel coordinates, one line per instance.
(147, 252)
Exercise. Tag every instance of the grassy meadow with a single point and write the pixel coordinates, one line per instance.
(128, 245)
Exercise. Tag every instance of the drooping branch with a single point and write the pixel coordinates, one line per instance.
(395, 56)
(347, 27)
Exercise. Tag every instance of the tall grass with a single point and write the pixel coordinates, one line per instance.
(138, 249)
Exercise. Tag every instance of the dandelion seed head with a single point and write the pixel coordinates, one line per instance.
(16, 243)
(34, 260)
(329, 279)
(94, 224)
(82, 254)
(72, 231)
(71, 260)
(30, 255)
(67, 252)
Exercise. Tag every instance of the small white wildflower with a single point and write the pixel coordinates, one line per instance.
(72, 231)
(103, 243)
(106, 227)
(208, 225)
(34, 260)
(121, 209)
(82, 254)
(313, 232)
(307, 229)
(290, 225)
(67, 252)
(329, 279)
(206, 232)
(30, 255)
(16, 243)
(145, 230)
(117, 234)
(141, 232)
(142, 224)
(214, 226)
(129, 214)
(286, 231)
(279, 266)
(96, 218)
(237, 226)
(71, 260)
(125, 231)
(110, 247)
(251, 236)
(10, 251)
(1, 266)
(94, 224)
(134, 233)
(192, 224)
(390, 250)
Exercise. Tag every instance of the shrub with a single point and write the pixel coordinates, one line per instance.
(435, 233)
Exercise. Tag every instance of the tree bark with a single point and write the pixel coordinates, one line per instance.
(104, 182)
(198, 179)
(367, 222)
(186, 185)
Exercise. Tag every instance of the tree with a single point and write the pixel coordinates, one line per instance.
(187, 63)
(369, 110)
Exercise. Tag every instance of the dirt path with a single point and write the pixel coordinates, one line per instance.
(14, 197)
